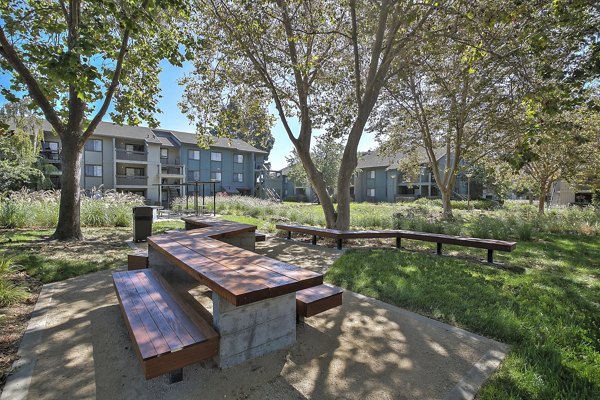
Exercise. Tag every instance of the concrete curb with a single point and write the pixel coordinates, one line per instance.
(17, 383)
(468, 387)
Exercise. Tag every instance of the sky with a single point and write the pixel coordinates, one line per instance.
(172, 118)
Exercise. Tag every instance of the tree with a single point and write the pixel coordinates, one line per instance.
(454, 96)
(327, 156)
(20, 130)
(560, 146)
(322, 62)
(250, 125)
(74, 58)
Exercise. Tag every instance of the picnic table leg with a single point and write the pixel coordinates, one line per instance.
(339, 244)
(490, 257)
(289, 237)
(439, 249)
(314, 239)
(398, 242)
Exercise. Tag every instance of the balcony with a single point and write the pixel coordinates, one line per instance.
(52, 156)
(128, 155)
(130, 180)
(171, 169)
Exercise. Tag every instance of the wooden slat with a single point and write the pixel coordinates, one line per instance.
(229, 257)
(317, 299)
(165, 329)
(136, 327)
(233, 286)
(186, 332)
(133, 305)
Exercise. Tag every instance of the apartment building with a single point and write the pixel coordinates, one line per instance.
(159, 163)
(378, 179)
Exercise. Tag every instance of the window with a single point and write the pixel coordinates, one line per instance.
(93, 170)
(238, 158)
(371, 174)
(135, 147)
(370, 192)
(406, 190)
(52, 146)
(194, 154)
(134, 171)
(216, 176)
(164, 153)
(93, 145)
(238, 177)
(194, 175)
(215, 156)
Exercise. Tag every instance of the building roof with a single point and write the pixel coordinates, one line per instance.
(374, 159)
(236, 144)
(111, 129)
(165, 142)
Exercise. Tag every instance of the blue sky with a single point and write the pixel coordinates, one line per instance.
(172, 118)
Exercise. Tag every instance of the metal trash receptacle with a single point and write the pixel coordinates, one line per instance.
(142, 223)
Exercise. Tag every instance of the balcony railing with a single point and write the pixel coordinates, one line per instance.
(127, 180)
(170, 161)
(171, 169)
(51, 155)
(128, 155)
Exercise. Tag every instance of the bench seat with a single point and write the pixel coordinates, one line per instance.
(399, 234)
(260, 237)
(316, 299)
(167, 333)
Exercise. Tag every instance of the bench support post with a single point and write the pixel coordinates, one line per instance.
(398, 242)
(339, 244)
(439, 249)
(289, 237)
(314, 239)
(490, 256)
(176, 376)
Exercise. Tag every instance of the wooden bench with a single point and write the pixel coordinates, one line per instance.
(399, 234)
(260, 237)
(317, 299)
(167, 333)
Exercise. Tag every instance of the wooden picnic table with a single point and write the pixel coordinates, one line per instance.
(254, 297)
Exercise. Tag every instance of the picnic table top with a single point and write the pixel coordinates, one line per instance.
(240, 276)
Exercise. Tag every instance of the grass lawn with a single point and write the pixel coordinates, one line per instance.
(548, 311)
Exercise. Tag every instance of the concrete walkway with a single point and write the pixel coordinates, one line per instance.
(77, 347)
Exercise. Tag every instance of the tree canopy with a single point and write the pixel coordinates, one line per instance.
(76, 58)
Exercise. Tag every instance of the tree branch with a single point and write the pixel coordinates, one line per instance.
(35, 91)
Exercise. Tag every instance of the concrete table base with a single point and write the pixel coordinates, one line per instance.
(255, 329)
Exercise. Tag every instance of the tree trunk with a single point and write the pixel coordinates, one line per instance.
(542, 200)
(68, 227)
(446, 204)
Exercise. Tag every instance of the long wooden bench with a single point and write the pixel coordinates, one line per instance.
(317, 299)
(340, 235)
(167, 333)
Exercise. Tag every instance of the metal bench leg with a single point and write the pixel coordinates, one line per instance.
(314, 239)
(289, 235)
(176, 376)
(339, 244)
(398, 242)
(439, 249)
(490, 256)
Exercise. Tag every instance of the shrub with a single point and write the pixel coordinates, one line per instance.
(9, 292)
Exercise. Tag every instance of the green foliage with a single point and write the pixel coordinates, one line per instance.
(327, 157)
(9, 292)
(548, 314)
(25, 209)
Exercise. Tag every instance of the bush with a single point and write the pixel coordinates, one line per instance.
(25, 209)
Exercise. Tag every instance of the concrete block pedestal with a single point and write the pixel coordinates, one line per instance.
(255, 329)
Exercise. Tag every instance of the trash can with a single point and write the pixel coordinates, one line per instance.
(142, 223)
